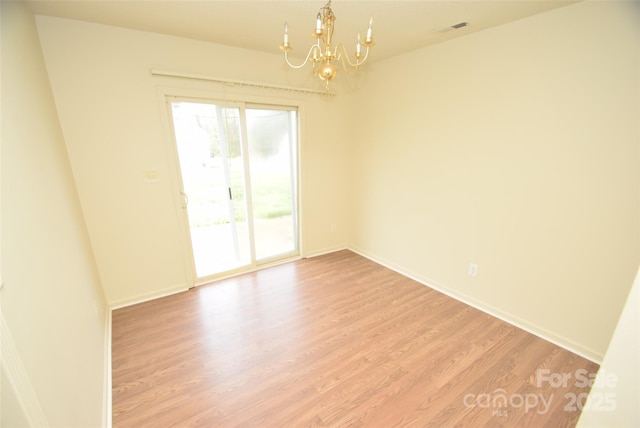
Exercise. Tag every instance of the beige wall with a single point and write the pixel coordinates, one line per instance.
(111, 115)
(515, 148)
(53, 307)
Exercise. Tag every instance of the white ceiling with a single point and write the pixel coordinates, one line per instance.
(399, 25)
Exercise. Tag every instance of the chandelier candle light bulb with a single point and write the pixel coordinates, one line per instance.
(286, 35)
(323, 54)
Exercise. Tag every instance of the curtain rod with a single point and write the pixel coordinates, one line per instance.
(233, 82)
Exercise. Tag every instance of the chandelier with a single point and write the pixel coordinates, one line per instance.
(323, 54)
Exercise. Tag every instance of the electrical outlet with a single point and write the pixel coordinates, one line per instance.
(473, 269)
(333, 227)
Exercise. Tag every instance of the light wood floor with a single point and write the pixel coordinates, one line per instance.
(335, 340)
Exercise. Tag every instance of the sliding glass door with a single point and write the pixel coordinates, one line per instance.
(238, 167)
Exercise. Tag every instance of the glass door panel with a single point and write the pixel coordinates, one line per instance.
(271, 136)
(210, 154)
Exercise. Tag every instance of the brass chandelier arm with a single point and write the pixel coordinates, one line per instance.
(306, 60)
(345, 56)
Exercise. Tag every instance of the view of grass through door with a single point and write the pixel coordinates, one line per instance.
(238, 173)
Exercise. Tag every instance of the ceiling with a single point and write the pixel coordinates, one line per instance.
(399, 26)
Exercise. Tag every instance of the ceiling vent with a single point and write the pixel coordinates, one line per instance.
(453, 27)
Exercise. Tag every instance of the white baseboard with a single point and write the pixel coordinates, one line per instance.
(129, 301)
(542, 333)
(319, 253)
(108, 410)
(19, 379)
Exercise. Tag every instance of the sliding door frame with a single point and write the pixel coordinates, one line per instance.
(168, 95)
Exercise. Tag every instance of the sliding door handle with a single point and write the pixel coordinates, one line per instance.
(185, 199)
